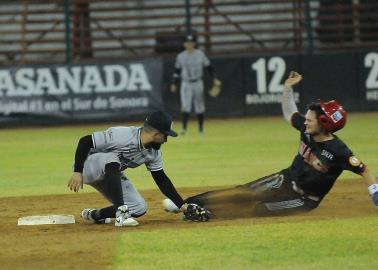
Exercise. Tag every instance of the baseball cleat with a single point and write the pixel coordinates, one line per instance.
(123, 217)
(86, 214)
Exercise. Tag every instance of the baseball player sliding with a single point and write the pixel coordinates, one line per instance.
(321, 158)
(189, 68)
(101, 158)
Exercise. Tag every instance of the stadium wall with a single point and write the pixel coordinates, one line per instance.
(128, 89)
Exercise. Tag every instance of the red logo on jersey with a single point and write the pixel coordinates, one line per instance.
(311, 159)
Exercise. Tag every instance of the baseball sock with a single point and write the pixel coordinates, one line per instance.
(200, 122)
(113, 188)
(185, 118)
(106, 212)
(112, 178)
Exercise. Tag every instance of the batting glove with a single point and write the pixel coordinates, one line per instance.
(373, 191)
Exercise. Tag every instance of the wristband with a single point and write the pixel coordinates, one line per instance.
(373, 189)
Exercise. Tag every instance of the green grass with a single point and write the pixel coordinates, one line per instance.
(324, 244)
(37, 161)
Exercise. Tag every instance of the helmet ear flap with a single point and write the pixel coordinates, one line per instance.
(324, 122)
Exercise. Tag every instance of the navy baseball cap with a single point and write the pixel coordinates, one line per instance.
(190, 38)
(161, 121)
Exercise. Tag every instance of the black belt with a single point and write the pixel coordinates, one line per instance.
(193, 80)
(301, 192)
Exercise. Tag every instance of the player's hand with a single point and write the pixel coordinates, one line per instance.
(76, 182)
(293, 79)
(173, 88)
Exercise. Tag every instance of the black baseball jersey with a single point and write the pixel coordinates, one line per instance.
(318, 164)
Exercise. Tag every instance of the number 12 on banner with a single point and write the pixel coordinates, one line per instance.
(276, 65)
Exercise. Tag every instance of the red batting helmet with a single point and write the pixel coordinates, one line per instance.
(334, 118)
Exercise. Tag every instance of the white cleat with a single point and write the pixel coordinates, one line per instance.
(123, 217)
(86, 214)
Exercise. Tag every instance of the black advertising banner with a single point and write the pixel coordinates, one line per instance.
(171, 100)
(74, 92)
(264, 83)
(128, 90)
(368, 79)
(331, 76)
(230, 100)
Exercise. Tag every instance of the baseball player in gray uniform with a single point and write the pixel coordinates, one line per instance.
(101, 158)
(189, 68)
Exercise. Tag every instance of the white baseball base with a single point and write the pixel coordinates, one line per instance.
(46, 220)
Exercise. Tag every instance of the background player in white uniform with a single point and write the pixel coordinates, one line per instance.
(189, 68)
(101, 157)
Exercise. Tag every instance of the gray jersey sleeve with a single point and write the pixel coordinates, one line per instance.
(111, 139)
(156, 163)
(178, 63)
(288, 104)
(206, 61)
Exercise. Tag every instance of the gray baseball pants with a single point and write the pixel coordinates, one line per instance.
(93, 175)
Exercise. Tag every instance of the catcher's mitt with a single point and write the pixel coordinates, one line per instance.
(216, 89)
(194, 212)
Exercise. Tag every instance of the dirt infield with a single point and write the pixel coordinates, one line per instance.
(90, 246)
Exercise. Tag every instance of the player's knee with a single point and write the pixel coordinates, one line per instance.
(139, 209)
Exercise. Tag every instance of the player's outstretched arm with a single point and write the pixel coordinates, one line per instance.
(288, 102)
(192, 212)
(371, 181)
(75, 183)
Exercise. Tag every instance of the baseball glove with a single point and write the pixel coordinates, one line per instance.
(216, 89)
(194, 212)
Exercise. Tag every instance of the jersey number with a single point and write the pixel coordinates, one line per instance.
(371, 61)
(276, 65)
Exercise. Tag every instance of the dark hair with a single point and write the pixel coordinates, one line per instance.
(148, 128)
(315, 106)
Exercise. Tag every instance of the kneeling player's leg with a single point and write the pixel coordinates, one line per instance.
(132, 198)
(125, 195)
(110, 187)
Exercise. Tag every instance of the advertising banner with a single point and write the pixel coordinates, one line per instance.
(368, 79)
(331, 76)
(75, 92)
(264, 83)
